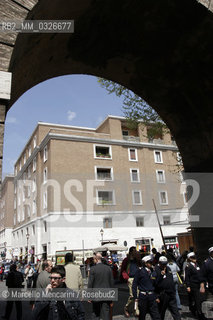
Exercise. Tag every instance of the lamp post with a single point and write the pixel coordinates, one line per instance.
(27, 236)
(5, 249)
(102, 235)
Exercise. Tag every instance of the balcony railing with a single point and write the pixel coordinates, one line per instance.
(131, 138)
(104, 176)
(156, 141)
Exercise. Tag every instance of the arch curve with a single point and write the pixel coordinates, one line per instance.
(159, 49)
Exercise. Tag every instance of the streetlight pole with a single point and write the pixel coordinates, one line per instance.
(102, 235)
(5, 249)
(27, 236)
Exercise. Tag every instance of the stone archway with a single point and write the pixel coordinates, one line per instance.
(159, 49)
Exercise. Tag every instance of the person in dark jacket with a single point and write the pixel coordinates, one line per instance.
(207, 272)
(101, 277)
(181, 259)
(143, 291)
(165, 288)
(193, 280)
(155, 255)
(58, 310)
(128, 269)
(14, 280)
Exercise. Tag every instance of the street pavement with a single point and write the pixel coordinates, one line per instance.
(119, 306)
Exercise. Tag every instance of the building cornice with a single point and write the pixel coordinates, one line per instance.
(67, 137)
(101, 213)
(65, 126)
(136, 144)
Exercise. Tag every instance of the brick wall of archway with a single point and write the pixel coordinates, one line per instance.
(159, 49)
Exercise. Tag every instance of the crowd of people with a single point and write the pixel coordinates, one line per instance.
(153, 281)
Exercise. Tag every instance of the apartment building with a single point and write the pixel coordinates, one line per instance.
(6, 217)
(79, 187)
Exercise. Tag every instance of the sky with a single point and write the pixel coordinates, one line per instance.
(76, 100)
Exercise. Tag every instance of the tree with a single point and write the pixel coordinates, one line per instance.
(136, 108)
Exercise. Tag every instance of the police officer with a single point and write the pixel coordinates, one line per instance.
(165, 288)
(143, 284)
(193, 280)
(207, 272)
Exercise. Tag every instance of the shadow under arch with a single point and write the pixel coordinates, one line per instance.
(161, 50)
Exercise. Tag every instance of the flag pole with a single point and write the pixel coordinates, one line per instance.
(159, 225)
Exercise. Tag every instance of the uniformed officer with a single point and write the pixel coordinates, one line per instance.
(165, 288)
(207, 272)
(193, 280)
(143, 284)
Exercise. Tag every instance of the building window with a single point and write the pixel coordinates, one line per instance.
(34, 185)
(20, 165)
(45, 175)
(34, 164)
(107, 223)
(160, 174)
(15, 203)
(34, 141)
(14, 222)
(103, 173)
(18, 215)
(15, 187)
(28, 191)
(136, 197)
(29, 172)
(105, 197)
(102, 152)
(45, 200)
(33, 229)
(29, 151)
(34, 207)
(28, 211)
(134, 175)
(140, 222)
(158, 156)
(23, 213)
(125, 132)
(19, 200)
(166, 220)
(133, 156)
(45, 154)
(163, 197)
(45, 226)
(15, 170)
(24, 158)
